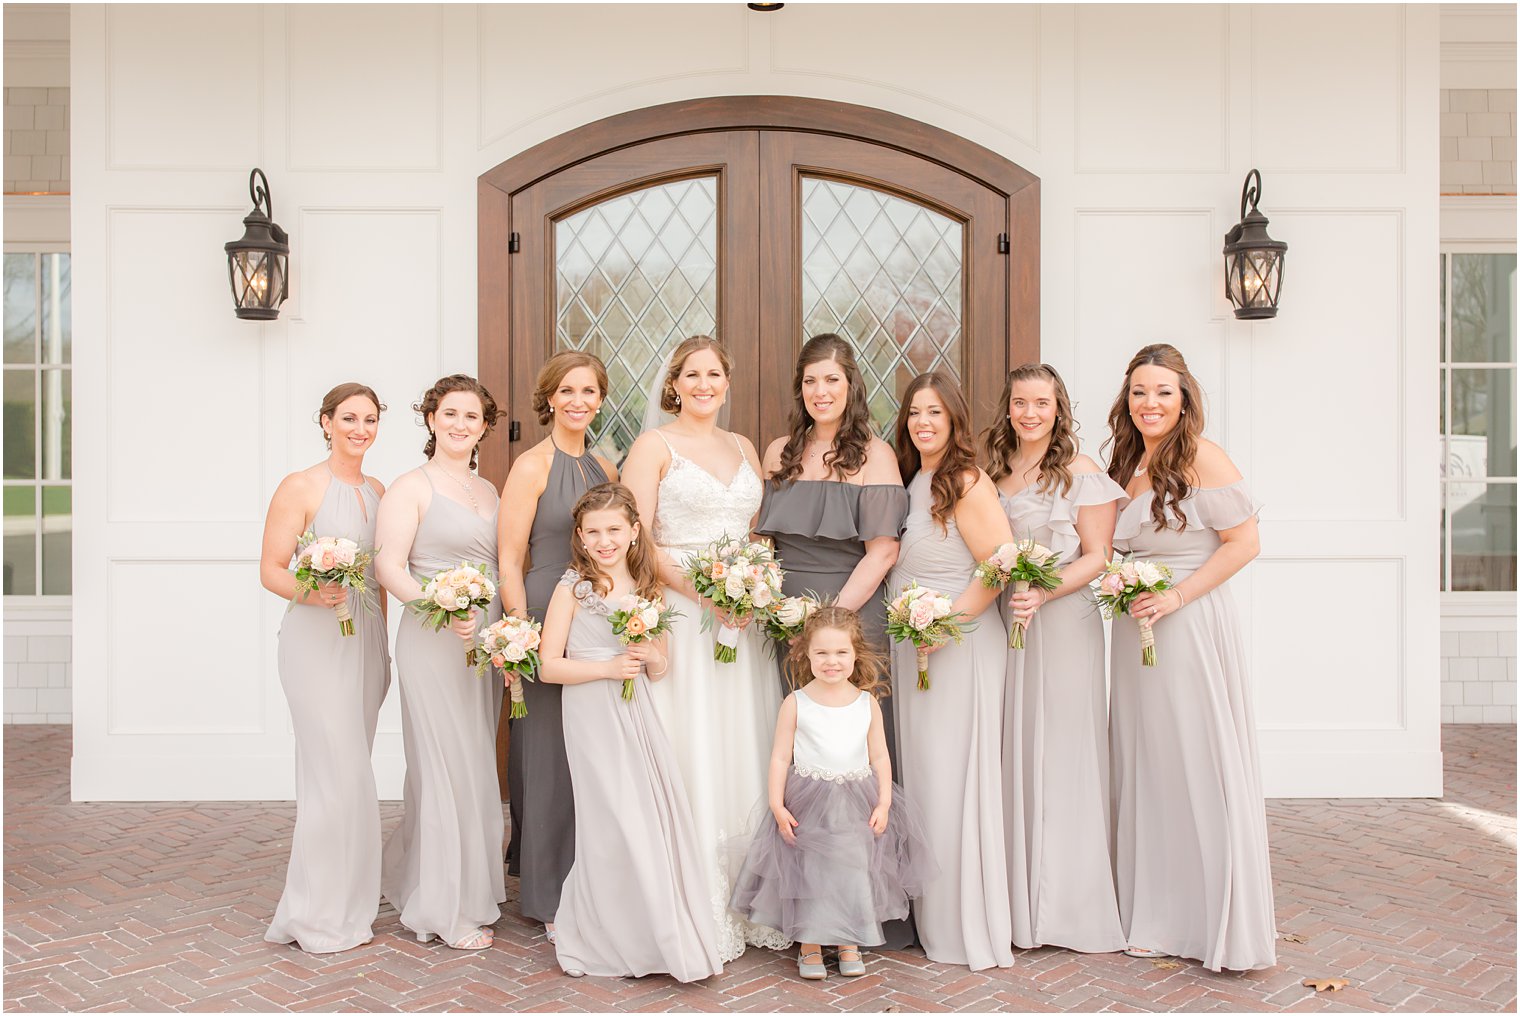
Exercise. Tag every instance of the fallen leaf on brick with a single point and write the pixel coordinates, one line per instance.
(1294, 938)
(1165, 964)
(1326, 983)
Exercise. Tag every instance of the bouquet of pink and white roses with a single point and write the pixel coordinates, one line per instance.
(640, 620)
(741, 579)
(512, 645)
(786, 618)
(1025, 564)
(1123, 580)
(337, 560)
(450, 594)
(924, 617)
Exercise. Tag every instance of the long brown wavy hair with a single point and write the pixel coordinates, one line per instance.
(641, 561)
(669, 400)
(949, 481)
(1001, 440)
(848, 455)
(446, 386)
(870, 665)
(1172, 462)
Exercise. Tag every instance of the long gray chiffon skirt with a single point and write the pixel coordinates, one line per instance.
(442, 866)
(334, 686)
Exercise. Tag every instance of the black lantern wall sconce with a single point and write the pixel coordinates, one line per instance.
(1253, 261)
(257, 265)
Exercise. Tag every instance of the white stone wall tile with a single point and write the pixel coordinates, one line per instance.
(1490, 124)
(1451, 693)
(1467, 714)
(1446, 714)
(15, 645)
(1449, 149)
(21, 700)
(58, 675)
(12, 675)
(57, 97)
(1499, 173)
(1477, 693)
(1501, 100)
(33, 675)
(1498, 714)
(59, 718)
(47, 166)
(45, 118)
(55, 700)
(58, 186)
(1453, 125)
(31, 186)
(48, 649)
(28, 142)
(58, 143)
(1504, 694)
(1479, 643)
(1449, 643)
(1469, 100)
(1491, 668)
(1463, 174)
(28, 718)
(1510, 667)
(26, 97)
(1474, 149)
(1463, 668)
(1445, 106)
(20, 118)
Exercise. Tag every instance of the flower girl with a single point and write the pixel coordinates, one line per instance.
(838, 858)
(635, 901)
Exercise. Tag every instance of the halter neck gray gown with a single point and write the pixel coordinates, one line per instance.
(442, 866)
(635, 901)
(334, 686)
(1190, 825)
(1055, 744)
(538, 774)
(950, 741)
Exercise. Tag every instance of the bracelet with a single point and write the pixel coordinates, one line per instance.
(1181, 600)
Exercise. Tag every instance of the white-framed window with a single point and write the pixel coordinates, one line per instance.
(1477, 418)
(38, 454)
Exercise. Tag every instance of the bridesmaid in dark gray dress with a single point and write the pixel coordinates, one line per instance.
(334, 685)
(442, 866)
(834, 507)
(534, 536)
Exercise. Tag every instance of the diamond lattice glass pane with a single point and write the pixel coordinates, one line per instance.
(634, 275)
(885, 273)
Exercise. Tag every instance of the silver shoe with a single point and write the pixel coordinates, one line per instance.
(851, 968)
(814, 971)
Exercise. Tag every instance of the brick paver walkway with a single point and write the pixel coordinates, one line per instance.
(149, 907)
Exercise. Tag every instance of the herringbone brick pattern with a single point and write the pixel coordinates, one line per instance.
(152, 907)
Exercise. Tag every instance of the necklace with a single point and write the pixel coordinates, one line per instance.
(1140, 470)
(466, 487)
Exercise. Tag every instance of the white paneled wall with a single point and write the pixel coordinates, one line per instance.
(373, 123)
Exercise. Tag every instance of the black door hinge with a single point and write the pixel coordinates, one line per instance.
(514, 244)
(514, 431)
(1002, 243)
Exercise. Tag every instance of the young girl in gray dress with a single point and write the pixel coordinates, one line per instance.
(334, 685)
(841, 850)
(635, 900)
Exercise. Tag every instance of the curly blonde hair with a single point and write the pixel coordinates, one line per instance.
(870, 665)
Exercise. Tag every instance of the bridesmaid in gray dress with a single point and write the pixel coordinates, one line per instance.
(334, 686)
(635, 901)
(442, 866)
(950, 737)
(534, 534)
(1055, 710)
(1194, 876)
(834, 506)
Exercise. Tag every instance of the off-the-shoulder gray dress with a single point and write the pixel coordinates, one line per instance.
(538, 774)
(950, 741)
(442, 865)
(635, 901)
(1190, 825)
(334, 685)
(1055, 744)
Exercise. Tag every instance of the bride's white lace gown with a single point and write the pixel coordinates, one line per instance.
(720, 717)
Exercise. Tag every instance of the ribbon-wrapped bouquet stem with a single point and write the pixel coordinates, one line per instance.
(336, 560)
(511, 644)
(640, 620)
(1123, 580)
(1024, 564)
(740, 578)
(924, 617)
(450, 594)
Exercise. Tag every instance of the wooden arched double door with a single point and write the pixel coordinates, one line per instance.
(760, 220)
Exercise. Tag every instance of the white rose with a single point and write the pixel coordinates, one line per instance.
(473, 590)
(762, 595)
(1148, 572)
(650, 616)
(791, 612)
(445, 598)
(514, 652)
(734, 585)
(942, 606)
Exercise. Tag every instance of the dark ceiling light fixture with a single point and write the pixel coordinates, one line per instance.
(1253, 261)
(258, 264)
(765, 8)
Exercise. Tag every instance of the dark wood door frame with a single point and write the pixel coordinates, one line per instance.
(737, 112)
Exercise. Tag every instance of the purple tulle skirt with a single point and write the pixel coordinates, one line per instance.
(840, 881)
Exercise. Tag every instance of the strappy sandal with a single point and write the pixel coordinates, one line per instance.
(480, 938)
(1141, 953)
(813, 970)
(851, 968)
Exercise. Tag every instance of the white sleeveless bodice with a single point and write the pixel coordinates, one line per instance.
(695, 507)
(830, 742)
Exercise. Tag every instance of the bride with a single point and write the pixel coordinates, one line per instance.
(695, 482)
